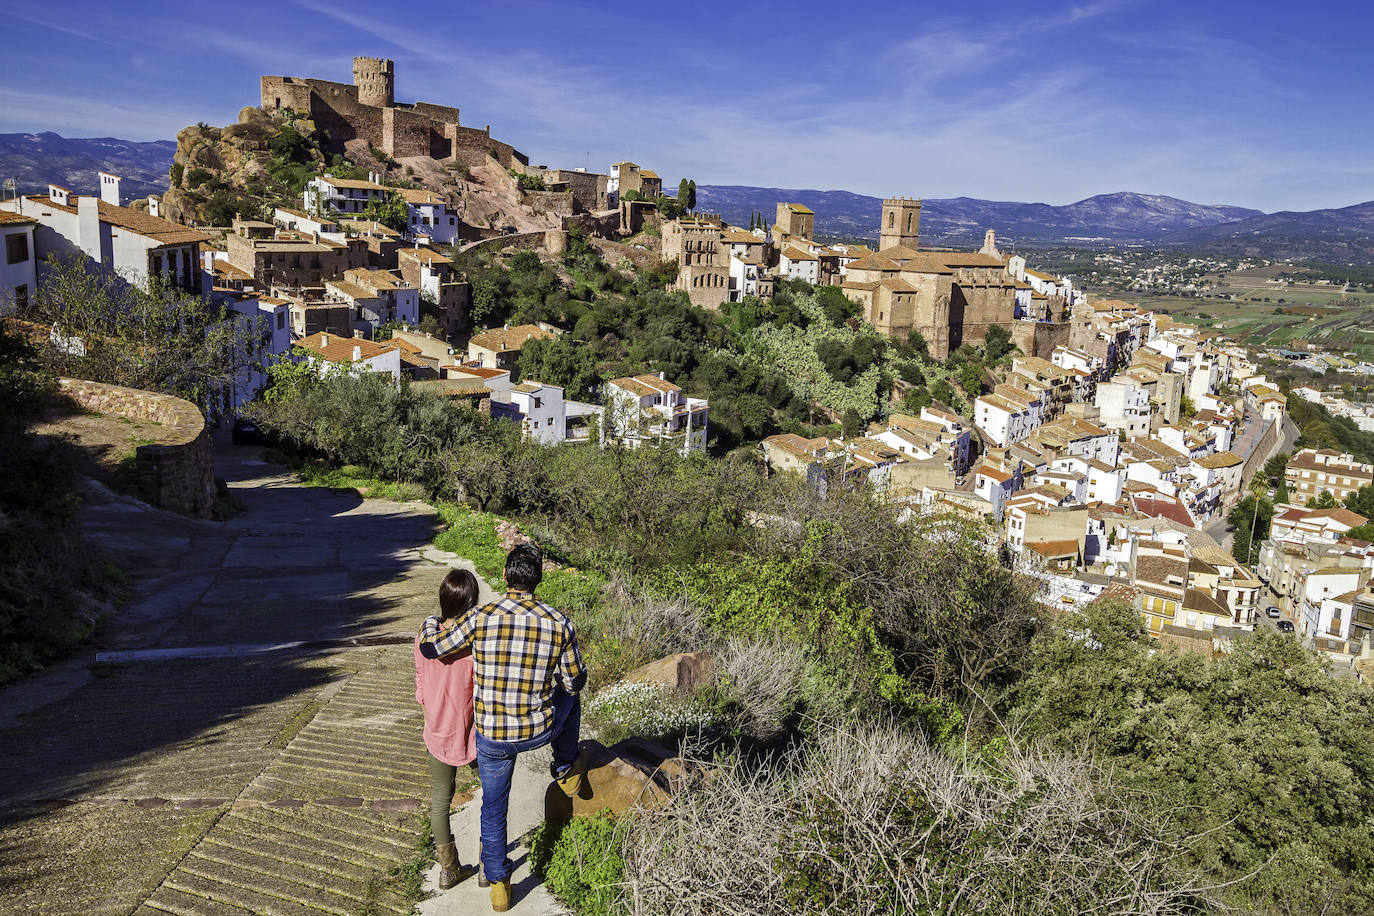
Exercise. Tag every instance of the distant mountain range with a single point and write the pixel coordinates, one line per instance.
(1344, 235)
(35, 160)
(1112, 218)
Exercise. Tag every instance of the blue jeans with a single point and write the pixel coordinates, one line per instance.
(496, 764)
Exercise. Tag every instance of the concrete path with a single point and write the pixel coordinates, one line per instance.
(166, 769)
(526, 811)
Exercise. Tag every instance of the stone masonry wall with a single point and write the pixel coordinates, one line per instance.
(177, 473)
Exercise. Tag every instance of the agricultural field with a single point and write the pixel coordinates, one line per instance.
(1334, 326)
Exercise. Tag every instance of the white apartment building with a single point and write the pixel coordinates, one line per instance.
(135, 245)
(18, 277)
(1004, 421)
(648, 408)
(427, 215)
(1123, 406)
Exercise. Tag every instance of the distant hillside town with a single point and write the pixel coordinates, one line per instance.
(1107, 454)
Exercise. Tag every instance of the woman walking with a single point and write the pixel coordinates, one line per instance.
(444, 688)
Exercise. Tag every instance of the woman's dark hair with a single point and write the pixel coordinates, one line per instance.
(524, 567)
(457, 593)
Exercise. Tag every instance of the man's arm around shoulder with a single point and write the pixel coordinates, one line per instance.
(438, 640)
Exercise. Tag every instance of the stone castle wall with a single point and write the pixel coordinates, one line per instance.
(419, 129)
(177, 473)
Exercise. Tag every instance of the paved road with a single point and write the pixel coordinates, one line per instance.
(176, 767)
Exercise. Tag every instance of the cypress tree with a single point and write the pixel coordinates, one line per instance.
(683, 192)
(691, 195)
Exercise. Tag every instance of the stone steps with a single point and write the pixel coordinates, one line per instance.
(329, 851)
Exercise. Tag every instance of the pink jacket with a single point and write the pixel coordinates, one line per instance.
(444, 688)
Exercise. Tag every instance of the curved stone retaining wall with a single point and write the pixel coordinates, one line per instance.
(177, 473)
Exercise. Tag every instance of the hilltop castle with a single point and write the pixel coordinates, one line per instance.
(368, 110)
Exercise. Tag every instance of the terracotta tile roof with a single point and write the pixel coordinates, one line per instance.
(419, 196)
(349, 289)
(478, 371)
(508, 339)
(1158, 570)
(1054, 549)
(1156, 505)
(793, 253)
(797, 445)
(1219, 460)
(15, 219)
(338, 349)
(355, 184)
(369, 227)
(1339, 515)
(799, 208)
(644, 385)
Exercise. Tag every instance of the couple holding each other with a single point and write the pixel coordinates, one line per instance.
(512, 669)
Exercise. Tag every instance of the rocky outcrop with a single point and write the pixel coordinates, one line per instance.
(684, 671)
(634, 773)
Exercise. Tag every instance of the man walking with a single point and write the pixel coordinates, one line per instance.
(527, 674)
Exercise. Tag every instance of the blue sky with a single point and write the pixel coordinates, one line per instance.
(1217, 101)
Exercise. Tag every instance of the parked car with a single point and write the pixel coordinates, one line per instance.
(246, 432)
(1285, 626)
(1272, 611)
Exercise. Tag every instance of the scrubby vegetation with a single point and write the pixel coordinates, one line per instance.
(53, 586)
(801, 362)
(1037, 765)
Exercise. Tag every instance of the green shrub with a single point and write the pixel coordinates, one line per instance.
(581, 863)
(473, 535)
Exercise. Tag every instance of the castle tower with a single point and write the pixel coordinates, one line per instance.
(375, 78)
(901, 223)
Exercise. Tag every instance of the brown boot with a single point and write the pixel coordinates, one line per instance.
(451, 872)
(500, 895)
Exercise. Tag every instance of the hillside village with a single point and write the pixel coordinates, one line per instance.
(1107, 451)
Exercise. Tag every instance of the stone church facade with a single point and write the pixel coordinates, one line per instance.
(951, 297)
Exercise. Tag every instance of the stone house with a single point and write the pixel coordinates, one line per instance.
(703, 258)
(290, 260)
(439, 284)
(499, 348)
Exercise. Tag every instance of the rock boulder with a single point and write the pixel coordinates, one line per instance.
(683, 671)
(634, 773)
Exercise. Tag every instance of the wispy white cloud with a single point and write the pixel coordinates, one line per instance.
(82, 115)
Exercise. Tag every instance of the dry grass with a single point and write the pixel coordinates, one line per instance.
(875, 821)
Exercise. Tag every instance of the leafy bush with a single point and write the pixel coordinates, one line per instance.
(53, 583)
(528, 182)
(648, 711)
(581, 862)
(1260, 749)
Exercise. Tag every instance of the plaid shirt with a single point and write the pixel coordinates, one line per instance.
(520, 646)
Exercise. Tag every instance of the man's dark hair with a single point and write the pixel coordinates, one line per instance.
(524, 567)
(457, 593)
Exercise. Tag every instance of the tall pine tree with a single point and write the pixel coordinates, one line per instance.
(683, 193)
